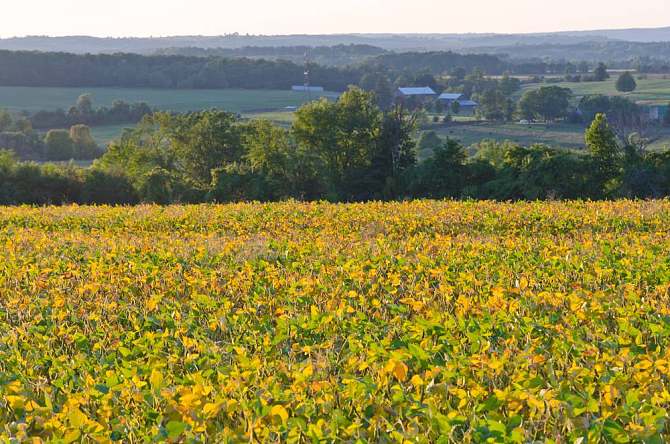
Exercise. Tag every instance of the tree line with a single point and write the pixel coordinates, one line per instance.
(23, 68)
(336, 55)
(132, 70)
(18, 132)
(84, 113)
(343, 151)
(19, 138)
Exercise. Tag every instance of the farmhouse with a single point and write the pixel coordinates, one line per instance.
(304, 88)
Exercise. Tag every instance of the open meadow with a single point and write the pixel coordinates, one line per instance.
(654, 89)
(560, 135)
(557, 135)
(33, 99)
(268, 104)
(417, 321)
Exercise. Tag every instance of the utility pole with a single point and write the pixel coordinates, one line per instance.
(307, 72)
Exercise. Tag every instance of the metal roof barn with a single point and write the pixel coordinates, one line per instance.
(417, 91)
(450, 96)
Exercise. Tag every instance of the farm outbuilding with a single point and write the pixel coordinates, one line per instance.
(467, 106)
(658, 112)
(422, 92)
(304, 88)
(448, 98)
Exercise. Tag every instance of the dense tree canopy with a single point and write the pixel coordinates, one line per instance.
(131, 70)
(547, 103)
(345, 150)
(626, 82)
(600, 74)
(84, 112)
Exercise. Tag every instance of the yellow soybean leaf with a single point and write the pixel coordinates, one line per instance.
(15, 402)
(211, 409)
(77, 417)
(13, 387)
(156, 379)
(153, 302)
(495, 364)
(644, 365)
(535, 403)
(72, 436)
(416, 381)
(280, 411)
(308, 371)
(400, 371)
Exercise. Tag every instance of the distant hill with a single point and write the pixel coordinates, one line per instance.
(611, 51)
(630, 35)
(391, 42)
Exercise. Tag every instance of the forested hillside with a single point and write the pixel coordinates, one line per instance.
(25, 68)
(131, 70)
(338, 55)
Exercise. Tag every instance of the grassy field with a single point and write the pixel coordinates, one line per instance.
(422, 322)
(559, 135)
(105, 134)
(284, 118)
(652, 90)
(234, 100)
(268, 104)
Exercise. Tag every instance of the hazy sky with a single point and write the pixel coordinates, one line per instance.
(214, 17)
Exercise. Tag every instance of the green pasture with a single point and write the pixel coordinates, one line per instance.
(652, 90)
(274, 105)
(559, 135)
(32, 99)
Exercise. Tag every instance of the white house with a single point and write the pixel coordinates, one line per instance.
(311, 89)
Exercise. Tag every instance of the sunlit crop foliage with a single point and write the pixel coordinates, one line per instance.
(399, 322)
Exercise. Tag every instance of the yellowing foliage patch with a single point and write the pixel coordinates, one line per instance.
(384, 322)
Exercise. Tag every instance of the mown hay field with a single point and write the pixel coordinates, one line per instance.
(655, 89)
(34, 99)
(381, 322)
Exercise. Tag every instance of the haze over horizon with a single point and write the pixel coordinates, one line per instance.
(126, 18)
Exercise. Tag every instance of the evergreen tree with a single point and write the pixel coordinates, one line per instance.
(626, 83)
(602, 144)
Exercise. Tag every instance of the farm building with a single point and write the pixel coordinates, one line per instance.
(415, 96)
(420, 92)
(466, 106)
(658, 112)
(304, 88)
(448, 98)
